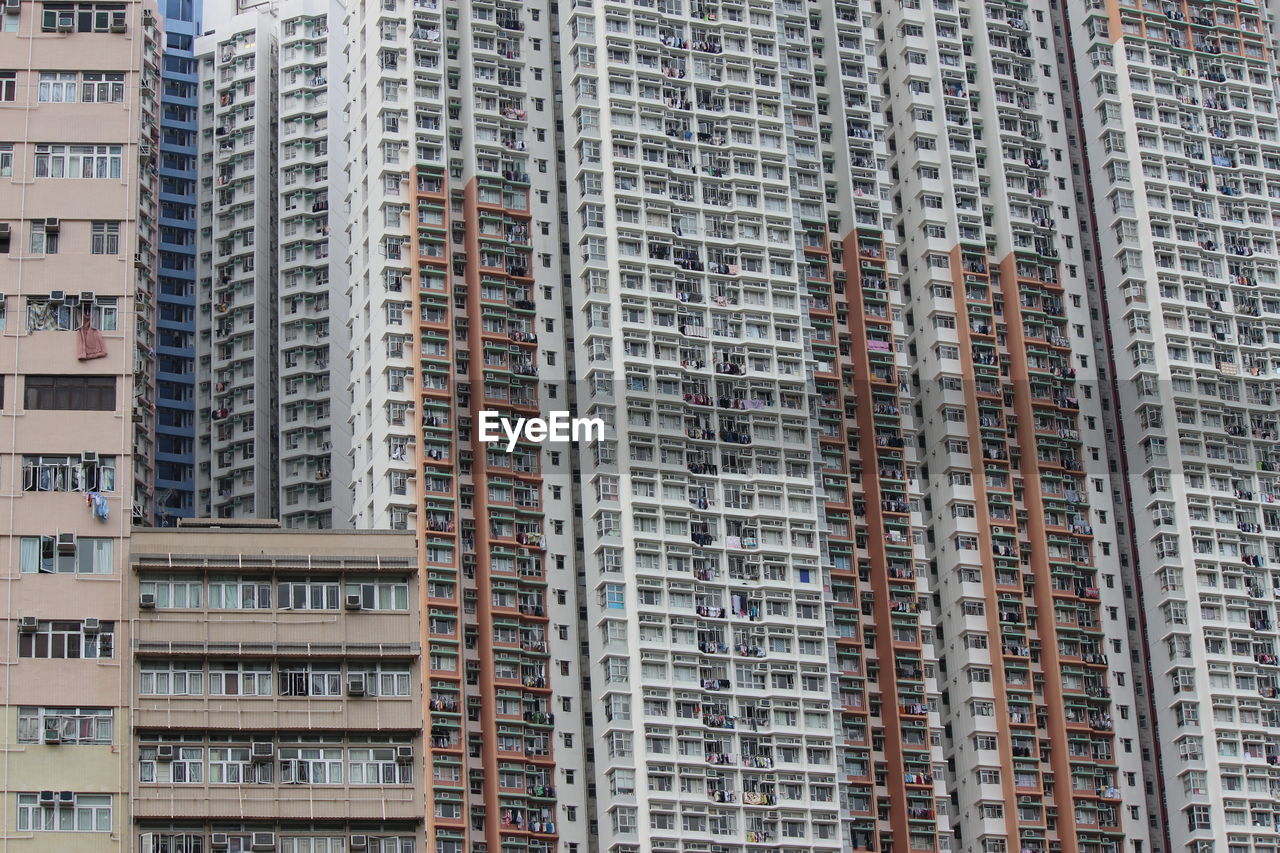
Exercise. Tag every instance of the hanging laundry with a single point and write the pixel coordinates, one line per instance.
(89, 343)
(98, 504)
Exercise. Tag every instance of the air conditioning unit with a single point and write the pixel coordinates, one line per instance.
(404, 754)
(52, 223)
(48, 798)
(118, 22)
(27, 624)
(263, 750)
(355, 684)
(66, 23)
(89, 456)
(57, 295)
(92, 625)
(52, 736)
(359, 842)
(147, 600)
(263, 841)
(164, 752)
(219, 841)
(144, 149)
(66, 797)
(354, 601)
(88, 296)
(66, 543)
(12, 5)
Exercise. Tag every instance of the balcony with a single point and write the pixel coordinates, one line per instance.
(278, 713)
(278, 802)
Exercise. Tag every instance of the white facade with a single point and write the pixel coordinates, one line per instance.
(270, 443)
(686, 168)
(1182, 136)
(313, 396)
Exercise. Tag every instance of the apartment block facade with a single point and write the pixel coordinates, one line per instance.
(276, 699)
(1177, 122)
(237, 371)
(1041, 717)
(275, 439)
(176, 276)
(79, 191)
(456, 307)
(687, 176)
(891, 313)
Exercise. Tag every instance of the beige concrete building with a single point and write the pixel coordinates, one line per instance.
(276, 690)
(78, 197)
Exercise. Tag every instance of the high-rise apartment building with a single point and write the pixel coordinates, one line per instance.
(237, 371)
(276, 699)
(1177, 125)
(731, 207)
(692, 160)
(176, 277)
(456, 307)
(933, 345)
(79, 197)
(1042, 734)
(275, 438)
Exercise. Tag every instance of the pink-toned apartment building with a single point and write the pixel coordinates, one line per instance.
(78, 236)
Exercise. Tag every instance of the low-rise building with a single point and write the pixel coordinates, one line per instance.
(276, 690)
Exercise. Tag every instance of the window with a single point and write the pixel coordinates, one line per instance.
(65, 473)
(72, 725)
(8, 85)
(6, 160)
(392, 844)
(239, 594)
(311, 766)
(44, 241)
(57, 87)
(81, 17)
(67, 639)
(385, 679)
(239, 678)
(186, 768)
(301, 679)
(174, 591)
(177, 842)
(308, 595)
(102, 87)
(171, 678)
(380, 595)
(235, 766)
(71, 393)
(78, 161)
(105, 239)
(45, 315)
(91, 556)
(85, 813)
(378, 767)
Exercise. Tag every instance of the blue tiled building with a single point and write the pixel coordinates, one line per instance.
(175, 355)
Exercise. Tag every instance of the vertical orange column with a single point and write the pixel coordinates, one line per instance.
(437, 466)
(882, 451)
(497, 243)
(975, 308)
(844, 503)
